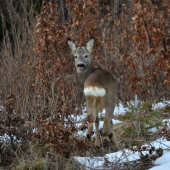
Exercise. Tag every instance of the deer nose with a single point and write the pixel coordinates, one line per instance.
(80, 65)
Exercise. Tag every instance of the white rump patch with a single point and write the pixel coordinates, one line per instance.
(94, 91)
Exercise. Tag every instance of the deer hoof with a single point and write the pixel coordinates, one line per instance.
(97, 147)
(110, 136)
(88, 136)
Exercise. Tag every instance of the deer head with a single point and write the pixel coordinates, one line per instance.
(81, 55)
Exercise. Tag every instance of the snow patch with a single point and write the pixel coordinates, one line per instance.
(127, 155)
(94, 91)
(160, 105)
(163, 162)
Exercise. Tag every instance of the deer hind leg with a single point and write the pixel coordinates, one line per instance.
(108, 127)
(93, 114)
(89, 103)
(90, 130)
(97, 140)
(94, 117)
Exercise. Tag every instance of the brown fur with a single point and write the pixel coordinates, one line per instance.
(97, 103)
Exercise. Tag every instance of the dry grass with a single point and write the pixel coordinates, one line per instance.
(16, 78)
(37, 164)
(17, 51)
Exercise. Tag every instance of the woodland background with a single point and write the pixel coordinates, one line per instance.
(39, 87)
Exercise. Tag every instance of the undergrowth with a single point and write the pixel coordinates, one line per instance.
(139, 123)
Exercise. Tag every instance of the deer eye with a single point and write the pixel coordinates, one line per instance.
(75, 56)
(86, 56)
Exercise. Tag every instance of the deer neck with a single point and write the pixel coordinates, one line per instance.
(84, 76)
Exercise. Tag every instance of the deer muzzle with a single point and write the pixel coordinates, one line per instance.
(80, 66)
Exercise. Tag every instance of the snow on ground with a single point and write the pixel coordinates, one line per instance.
(126, 155)
(154, 130)
(160, 105)
(162, 163)
(5, 137)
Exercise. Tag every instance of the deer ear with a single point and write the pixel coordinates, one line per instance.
(90, 45)
(71, 45)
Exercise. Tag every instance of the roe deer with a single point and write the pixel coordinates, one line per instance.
(100, 89)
